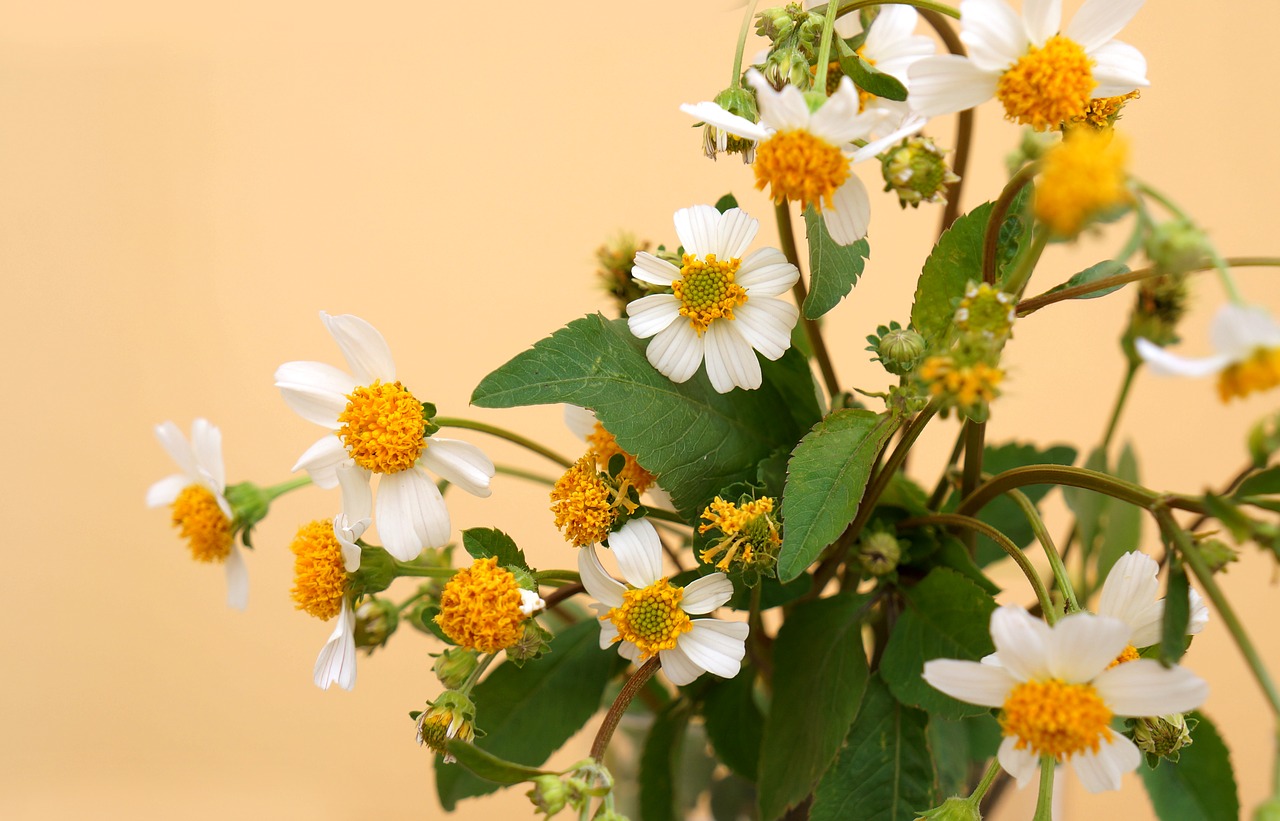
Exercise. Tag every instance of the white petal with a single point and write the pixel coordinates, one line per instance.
(698, 228)
(1082, 645)
(237, 580)
(602, 587)
(315, 391)
(1118, 68)
(1199, 613)
(165, 491)
(1043, 18)
(947, 83)
(462, 463)
(838, 121)
(629, 651)
(411, 514)
(579, 420)
(638, 550)
(1098, 21)
(892, 25)
(970, 681)
(730, 360)
(766, 273)
(898, 59)
(706, 594)
(736, 231)
(850, 214)
(779, 110)
(337, 661)
(1130, 588)
(1022, 642)
(1146, 625)
(608, 631)
(650, 314)
(1238, 330)
(1164, 363)
(649, 268)
(680, 669)
(531, 602)
(766, 324)
(206, 444)
(993, 32)
(321, 461)
(362, 346)
(1144, 688)
(715, 646)
(1021, 764)
(714, 115)
(1101, 771)
(911, 124)
(347, 530)
(676, 351)
(179, 450)
(357, 494)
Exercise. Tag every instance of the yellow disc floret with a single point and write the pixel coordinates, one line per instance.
(1260, 372)
(801, 167)
(319, 574)
(1128, 654)
(1048, 86)
(606, 447)
(202, 523)
(706, 290)
(585, 505)
(1102, 112)
(651, 618)
(965, 385)
(1083, 176)
(749, 530)
(480, 607)
(1055, 718)
(383, 427)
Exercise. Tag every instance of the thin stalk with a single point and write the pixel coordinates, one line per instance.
(974, 438)
(758, 639)
(1064, 475)
(824, 49)
(275, 491)
(927, 5)
(543, 576)
(1000, 210)
(1121, 399)
(520, 473)
(940, 490)
(664, 515)
(980, 791)
(1044, 802)
(1017, 281)
(619, 706)
(561, 594)
(503, 433)
(405, 569)
(1224, 270)
(478, 672)
(787, 236)
(742, 44)
(1046, 541)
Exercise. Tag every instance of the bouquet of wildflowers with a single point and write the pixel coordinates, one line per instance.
(774, 615)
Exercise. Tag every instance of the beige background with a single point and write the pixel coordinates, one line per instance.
(184, 187)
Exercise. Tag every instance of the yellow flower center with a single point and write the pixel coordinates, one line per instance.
(1128, 654)
(801, 167)
(1055, 718)
(747, 528)
(606, 447)
(584, 504)
(706, 290)
(480, 607)
(1260, 372)
(1102, 112)
(202, 523)
(1048, 86)
(966, 386)
(319, 574)
(383, 427)
(1083, 176)
(651, 618)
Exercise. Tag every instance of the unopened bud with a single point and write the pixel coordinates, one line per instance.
(376, 620)
(1162, 736)
(1177, 246)
(454, 666)
(878, 553)
(787, 66)
(917, 170)
(450, 716)
(549, 794)
(715, 140)
(898, 349)
(534, 641)
(1217, 554)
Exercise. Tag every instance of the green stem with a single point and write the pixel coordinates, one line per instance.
(1046, 541)
(478, 672)
(275, 491)
(1121, 399)
(1044, 802)
(543, 576)
(1062, 475)
(786, 234)
(503, 433)
(664, 515)
(1224, 270)
(991, 237)
(405, 569)
(1017, 281)
(928, 5)
(880, 482)
(404, 605)
(519, 473)
(619, 706)
(824, 50)
(974, 437)
(742, 44)
(980, 791)
(944, 481)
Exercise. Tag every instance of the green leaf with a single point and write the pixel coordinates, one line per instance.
(489, 766)
(1003, 513)
(884, 772)
(1200, 786)
(833, 269)
(947, 617)
(820, 673)
(660, 764)
(1177, 611)
(1106, 268)
(1122, 532)
(1266, 483)
(826, 477)
(868, 78)
(956, 260)
(726, 202)
(957, 746)
(1226, 511)
(734, 723)
(698, 441)
(529, 712)
(483, 542)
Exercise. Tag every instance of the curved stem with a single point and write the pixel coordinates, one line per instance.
(944, 481)
(742, 44)
(1046, 542)
(503, 433)
(556, 597)
(619, 706)
(975, 797)
(284, 487)
(1017, 281)
(557, 576)
(477, 673)
(1059, 475)
(788, 238)
(1000, 210)
(923, 5)
(664, 515)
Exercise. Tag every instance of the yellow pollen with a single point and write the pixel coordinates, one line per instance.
(801, 167)
(1129, 653)
(651, 618)
(606, 447)
(1083, 176)
(202, 523)
(1102, 112)
(706, 290)
(1055, 718)
(747, 530)
(967, 385)
(480, 607)
(383, 427)
(1260, 372)
(1048, 86)
(319, 575)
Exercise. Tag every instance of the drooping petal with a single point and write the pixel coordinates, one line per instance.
(1118, 69)
(994, 33)
(1022, 642)
(602, 587)
(779, 110)
(766, 272)
(698, 228)
(1081, 645)
(362, 346)
(947, 83)
(655, 271)
(357, 493)
(1238, 330)
(1098, 21)
(321, 461)
(735, 232)
(850, 214)
(179, 450)
(237, 579)
(462, 463)
(715, 646)
(1021, 764)
(676, 351)
(1101, 771)
(766, 323)
(1199, 616)
(1164, 363)
(347, 530)
(1145, 688)
(731, 362)
(638, 550)
(165, 491)
(970, 681)
(337, 661)
(206, 444)
(838, 121)
(315, 391)
(411, 514)
(1130, 588)
(1042, 19)
(714, 115)
(706, 594)
(650, 314)
(680, 669)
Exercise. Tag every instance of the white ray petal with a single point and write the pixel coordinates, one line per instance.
(714, 115)
(1043, 18)
(411, 514)
(579, 420)
(715, 646)
(947, 83)
(1118, 69)
(1081, 645)
(994, 33)
(602, 587)
(1239, 330)
(237, 579)
(766, 324)
(321, 461)
(850, 214)
(179, 450)
(362, 346)
(638, 550)
(679, 668)
(648, 268)
(650, 314)
(1022, 642)
(462, 463)
(676, 351)
(766, 272)
(731, 362)
(1021, 764)
(206, 444)
(315, 391)
(1101, 771)
(1130, 588)
(735, 232)
(706, 594)
(1098, 21)
(970, 681)
(698, 228)
(779, 110)
(1145, 688)
(1164, 363)
(165, 491)
(337, 661)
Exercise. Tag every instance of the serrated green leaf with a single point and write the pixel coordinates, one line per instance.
(833, 269)
(955, 261)
(1122, 532)
(1266, 483)
(947, 617)
(1106, 268)
(884, 772)
(483, 542)
(820, 673)
(868, 78)
(734, 723)
(698, 441)
(660, 764)
(529, 712)
(1177, 612)
(726, 202)
(1003, 513)
(489, 766)
(1200, 786)
(826, 478)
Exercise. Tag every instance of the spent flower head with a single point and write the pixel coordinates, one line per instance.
(589, 504)
(750, 536)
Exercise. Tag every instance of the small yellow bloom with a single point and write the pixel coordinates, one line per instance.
(751, 538)
(1083, 176)
(965, 385)
(586, 505)
(319, 572)
(483, 608)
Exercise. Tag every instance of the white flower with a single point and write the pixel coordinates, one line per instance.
(337, 660)
(1129, 594)
(378, 428)
(200, 507)
(723, 305)
(1057, 694)
(1247, 340)
(806, 156)
(648, 616)
(1042, 76)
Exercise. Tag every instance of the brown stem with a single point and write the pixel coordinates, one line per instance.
(611, 718)
(991, 237)
(787, 235)
(558, 596)
(964, 122)
(975, 434)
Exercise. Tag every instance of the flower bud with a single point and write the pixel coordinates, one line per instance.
(1177, 246)
(986, 311)
(452, 715)
(1162, 736)
(615, 260)
(917, 170)
(533, 642)
(787, 66)
(549, 794)
(954, 809)
(376, 620)
(775, 23)
(1217, 554)
(878, 553)
(738, 101)
(454, 666)
(898, 349)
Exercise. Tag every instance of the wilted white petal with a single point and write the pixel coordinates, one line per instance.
(237, 579)
(337, 661)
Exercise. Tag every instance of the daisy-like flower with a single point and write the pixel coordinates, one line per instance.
(648, 616)
(1042, 75)
(379, 427)
(198, 502)
(723, 307)
(1058, 690)
(805, 156)
(1129, 594)
(1247, 339)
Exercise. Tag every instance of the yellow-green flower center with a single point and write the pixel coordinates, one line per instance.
(319, 573)
(706, 290)
(1055, 718)
(651, 618)
(202, 523)
(801, 167)
(1048, 86)
(383, 427)
(1260, 372)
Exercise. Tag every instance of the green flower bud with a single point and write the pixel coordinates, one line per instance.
(610, 814)
(549, 794)
(1177, 246)
(377, 572)
(454, 666)
(738, 101)
(775, 23)
(954, 809)
(898, 349)
(452, 715)
(376, 620)
(533, 642)
(878, 553)
(1162, 736)
(1217, 554)
(987, 311)
(787, 66)
(917, 170)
